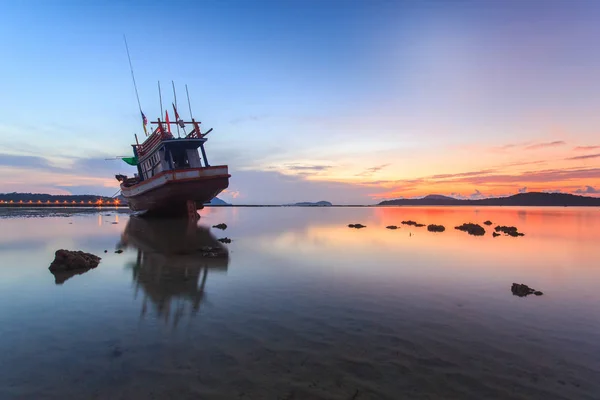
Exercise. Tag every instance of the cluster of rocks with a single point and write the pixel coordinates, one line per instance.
(356, 226)
(413, 223)
(221, 226)
(391, 227)
(224, 240)
(471, 229)
(521, 290)
(436, 228)
(508, 230)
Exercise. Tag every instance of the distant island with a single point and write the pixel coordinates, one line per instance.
(321, 203)
(216, 202)
(532, 199)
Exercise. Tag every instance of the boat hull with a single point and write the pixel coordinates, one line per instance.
(167, 194)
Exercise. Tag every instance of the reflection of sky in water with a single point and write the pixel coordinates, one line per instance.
(298, 283)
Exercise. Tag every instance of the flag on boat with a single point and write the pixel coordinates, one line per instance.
(131, 160)
(145, 122)
(179, 120)
(167, 121)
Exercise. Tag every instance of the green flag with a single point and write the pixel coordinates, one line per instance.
(131, 160)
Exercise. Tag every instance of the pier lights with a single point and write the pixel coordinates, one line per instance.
(11, 202)
(20, 201)
(39, 202)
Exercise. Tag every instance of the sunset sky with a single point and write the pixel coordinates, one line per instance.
(347, 101)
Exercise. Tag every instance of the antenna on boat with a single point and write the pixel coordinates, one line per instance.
(137, 96)
(160, 98)
(176, 113)
(189, 104)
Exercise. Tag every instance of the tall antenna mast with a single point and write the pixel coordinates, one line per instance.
(176, 113)
(189, 104)
(160, 98)
(137, 96)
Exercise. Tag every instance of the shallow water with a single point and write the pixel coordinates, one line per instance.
(301, 306)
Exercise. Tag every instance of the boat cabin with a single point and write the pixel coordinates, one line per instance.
(163, 152)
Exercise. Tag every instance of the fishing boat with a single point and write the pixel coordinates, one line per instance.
(174, 177)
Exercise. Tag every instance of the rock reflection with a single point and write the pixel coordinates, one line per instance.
(173, 260)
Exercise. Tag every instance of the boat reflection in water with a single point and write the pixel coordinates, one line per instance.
(173, 260)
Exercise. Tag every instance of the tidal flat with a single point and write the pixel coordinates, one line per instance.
(297, 305)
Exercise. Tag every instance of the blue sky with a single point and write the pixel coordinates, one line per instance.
(347, 101)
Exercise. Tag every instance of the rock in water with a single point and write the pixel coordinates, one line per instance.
(488, 222)
(509, 230)
(471, 229)
(224, 240)
(436, 228)
(357, 226)
(66, 260)
(392, 227)
(521, 290)
(494, 234)
(220, 226)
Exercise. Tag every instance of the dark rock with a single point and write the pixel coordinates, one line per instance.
(213, 252)
(392, 227)
(436, 228)
(357, 226)
(114, 223)
(224, 240)
(419, 225)
(521, 290)
(220, 226)
(494, 234)
(509, 230)
(409, 223)
(471, 229)
(118, 251)
(66, 260)
(488, 222)
(106, 251)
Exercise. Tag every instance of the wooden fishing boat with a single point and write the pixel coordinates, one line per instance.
(173, 178)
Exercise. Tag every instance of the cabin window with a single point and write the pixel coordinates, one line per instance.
(180, 159)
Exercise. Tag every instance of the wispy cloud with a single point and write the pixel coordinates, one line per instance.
(298, 167)
(545, 145)
(586, 148)
(372, 170)
(584, 157)
(462, 174)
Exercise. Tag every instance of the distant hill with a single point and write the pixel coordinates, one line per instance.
(34, 197)
(217, 202)
(309, 204)
(534, 199)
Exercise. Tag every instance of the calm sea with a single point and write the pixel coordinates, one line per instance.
(302, 307)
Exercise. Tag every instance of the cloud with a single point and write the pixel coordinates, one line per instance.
(272, 187)
(584, 157)
(545, 145)
(462, 174)
(372, 170)
(588, 190)
(523, 190)
(476, 195)
(23, 161)
(586, 148)
(297, 167)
